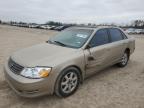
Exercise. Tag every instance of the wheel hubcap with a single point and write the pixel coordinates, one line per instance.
(69, 82)
(124, 59)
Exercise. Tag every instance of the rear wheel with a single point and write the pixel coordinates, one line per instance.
(124, 60)
(68, 82)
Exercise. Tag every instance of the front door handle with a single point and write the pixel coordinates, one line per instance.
(91, 58)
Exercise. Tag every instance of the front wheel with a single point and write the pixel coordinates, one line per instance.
(124, 60)
(67, 82)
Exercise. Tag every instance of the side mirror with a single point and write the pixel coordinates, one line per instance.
(88, 46)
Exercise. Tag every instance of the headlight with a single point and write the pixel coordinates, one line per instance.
(36, 72)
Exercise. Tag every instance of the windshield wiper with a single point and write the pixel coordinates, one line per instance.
(57, 42)
(60, 43)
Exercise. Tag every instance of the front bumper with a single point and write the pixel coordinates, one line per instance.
(26, 87)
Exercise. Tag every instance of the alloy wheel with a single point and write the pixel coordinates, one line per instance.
(69, 82)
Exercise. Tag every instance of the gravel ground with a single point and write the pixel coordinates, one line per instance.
(112, 88)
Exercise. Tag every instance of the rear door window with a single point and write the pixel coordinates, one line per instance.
(115, 34)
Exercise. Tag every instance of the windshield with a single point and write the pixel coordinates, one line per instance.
(74, 38)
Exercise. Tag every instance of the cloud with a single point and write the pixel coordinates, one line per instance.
(80, 11)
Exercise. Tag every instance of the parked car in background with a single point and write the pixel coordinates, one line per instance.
(139, 31)
(44, 26)
(130, 31)
(60, 28)
(33, 26)
(60, 65)
(41, 26)
(134, 31)
(20, 24)
(48, 27)
(51, 27)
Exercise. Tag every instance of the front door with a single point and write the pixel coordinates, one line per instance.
(97, 55)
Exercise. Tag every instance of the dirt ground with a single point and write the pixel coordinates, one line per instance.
(112, 88)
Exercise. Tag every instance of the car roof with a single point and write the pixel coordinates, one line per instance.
(92, 27)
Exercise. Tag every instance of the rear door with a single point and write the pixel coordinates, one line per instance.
(117, 44)
(97, 55)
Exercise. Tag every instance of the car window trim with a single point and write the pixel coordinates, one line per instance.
(123, 34)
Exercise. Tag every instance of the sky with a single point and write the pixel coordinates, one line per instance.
(72, 11)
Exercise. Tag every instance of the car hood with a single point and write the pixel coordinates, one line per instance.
(42, 55)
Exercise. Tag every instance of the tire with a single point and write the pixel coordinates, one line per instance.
(68, 82)
(124, 60)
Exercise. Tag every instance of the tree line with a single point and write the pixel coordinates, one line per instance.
(138, 24)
